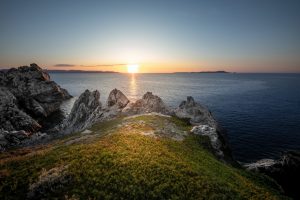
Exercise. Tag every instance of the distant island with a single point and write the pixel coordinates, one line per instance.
(68, 71)
(204, 72)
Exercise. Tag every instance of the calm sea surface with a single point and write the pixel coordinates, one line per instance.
(261, 112)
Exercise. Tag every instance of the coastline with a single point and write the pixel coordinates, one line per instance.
(88, 110)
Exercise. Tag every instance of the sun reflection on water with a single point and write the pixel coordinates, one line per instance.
(133, 87)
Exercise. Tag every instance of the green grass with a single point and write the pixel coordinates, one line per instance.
(120, 163)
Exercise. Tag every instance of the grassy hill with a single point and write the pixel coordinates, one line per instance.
(143, 157)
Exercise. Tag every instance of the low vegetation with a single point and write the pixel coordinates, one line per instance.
(120, 160)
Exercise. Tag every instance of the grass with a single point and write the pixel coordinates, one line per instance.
(121, 163)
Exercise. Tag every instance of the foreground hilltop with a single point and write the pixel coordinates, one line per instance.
(147, 156)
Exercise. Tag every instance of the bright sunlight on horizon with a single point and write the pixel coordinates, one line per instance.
(133, 68)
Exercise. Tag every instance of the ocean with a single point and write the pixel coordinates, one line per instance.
(261, 112)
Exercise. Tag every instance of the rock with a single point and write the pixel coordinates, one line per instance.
(211, 132)
(28, 96)
(196, 113)
(286, 171)
(11, 117)
(85, 111)
(117, 98)
(206, 125)
(149, 103)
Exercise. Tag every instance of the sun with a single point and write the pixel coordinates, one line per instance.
(133, 68)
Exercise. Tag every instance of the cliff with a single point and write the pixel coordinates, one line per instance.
(27, 98)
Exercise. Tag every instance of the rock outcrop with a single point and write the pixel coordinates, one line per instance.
(12, 117)
(286, 171)
(205, 125)
(149, 103)
(213, 135)
(196, 113)
(85, 111)
(117, 99)
(27, 97)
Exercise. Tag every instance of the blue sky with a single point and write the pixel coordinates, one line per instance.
(240, 35)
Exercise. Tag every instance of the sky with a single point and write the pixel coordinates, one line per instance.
(158, 35)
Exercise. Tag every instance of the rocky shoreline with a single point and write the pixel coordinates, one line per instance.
(28, 97)
(42, 97)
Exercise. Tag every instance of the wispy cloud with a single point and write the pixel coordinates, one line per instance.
(100, 65)
(64, 65)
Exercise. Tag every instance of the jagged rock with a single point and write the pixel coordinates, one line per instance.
(196, 113)
(286, 171)
(206, 125)
(117, 98)
(149, 103)
(85, 111)
(30, 97)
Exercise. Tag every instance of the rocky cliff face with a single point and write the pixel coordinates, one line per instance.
(87, 110)
(205, 124)
(12, 117)
(27, 97)
(34, 90)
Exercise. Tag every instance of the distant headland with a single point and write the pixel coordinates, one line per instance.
(68, 71)
(206, 72)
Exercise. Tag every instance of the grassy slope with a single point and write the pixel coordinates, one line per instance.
(117, 162)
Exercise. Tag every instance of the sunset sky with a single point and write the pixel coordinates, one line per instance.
(159, 36)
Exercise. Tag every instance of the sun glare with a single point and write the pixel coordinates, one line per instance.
(132, 68)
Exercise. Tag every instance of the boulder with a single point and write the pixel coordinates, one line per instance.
(149, 103)
(117, 99)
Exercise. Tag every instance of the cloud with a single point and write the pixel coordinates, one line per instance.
(64, 65)
(100, 65)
